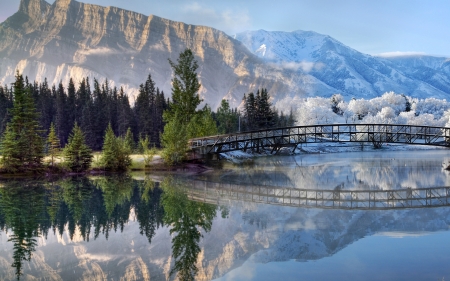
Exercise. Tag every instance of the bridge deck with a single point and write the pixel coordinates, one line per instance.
(277, 138)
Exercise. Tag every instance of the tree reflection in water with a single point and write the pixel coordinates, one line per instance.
(22, 207)
(186, 219)
(30, 209)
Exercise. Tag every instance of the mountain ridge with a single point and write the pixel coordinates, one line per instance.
(70, 39)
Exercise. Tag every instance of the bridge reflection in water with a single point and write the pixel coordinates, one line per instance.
(221, 193)
(276, 138)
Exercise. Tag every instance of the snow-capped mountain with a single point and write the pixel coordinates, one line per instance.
(70, 39)
(348, 71)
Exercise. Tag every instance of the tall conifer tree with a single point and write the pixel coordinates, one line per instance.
(22, 146)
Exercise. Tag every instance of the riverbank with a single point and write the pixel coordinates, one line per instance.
(157, 164)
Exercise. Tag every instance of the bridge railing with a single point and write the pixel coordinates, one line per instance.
(292, 136)
(218, 193)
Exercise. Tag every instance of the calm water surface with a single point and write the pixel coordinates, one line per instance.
(154, 228)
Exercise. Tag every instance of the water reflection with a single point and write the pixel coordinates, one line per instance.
(29, 210)
(121, 228)
(351, 171)
(186, 218)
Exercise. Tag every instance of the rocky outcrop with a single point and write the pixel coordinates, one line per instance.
(73, 39)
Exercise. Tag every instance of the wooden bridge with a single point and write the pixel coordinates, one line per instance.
(292, 137)
(223, 193)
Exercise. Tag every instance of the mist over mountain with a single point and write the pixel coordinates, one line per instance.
(70, 39)
(348, 71)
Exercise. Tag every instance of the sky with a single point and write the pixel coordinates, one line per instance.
(388, 27)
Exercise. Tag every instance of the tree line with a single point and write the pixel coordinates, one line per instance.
(92, 109)
(80, 120)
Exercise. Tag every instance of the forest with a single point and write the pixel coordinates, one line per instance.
(37, 119)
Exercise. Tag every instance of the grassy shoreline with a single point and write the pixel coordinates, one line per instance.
(157, 164)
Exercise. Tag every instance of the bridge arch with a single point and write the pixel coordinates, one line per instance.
(277, 138)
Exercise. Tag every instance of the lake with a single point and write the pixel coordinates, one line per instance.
(379, 215)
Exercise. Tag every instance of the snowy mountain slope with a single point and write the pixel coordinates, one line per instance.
(346, 70)
(73, 39)
(70, 39)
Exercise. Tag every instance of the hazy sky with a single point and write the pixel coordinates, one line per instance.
(369, 26)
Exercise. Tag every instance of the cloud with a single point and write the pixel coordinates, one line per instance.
(398, 234)
(399, 54)
(103, 51)
(305, 66)
(228, 20)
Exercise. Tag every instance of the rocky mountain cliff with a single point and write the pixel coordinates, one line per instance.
(69, 39)
(73, 39)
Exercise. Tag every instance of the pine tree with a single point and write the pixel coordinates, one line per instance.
(61, 124)
(53, 144)
(10, 155)
(125, 114)
(227, 118)
(77, 155)
(109, 150)
(115, 153)
(185, 86)
(23, 147)
(129, 140)
(183, 109)
(5, 104)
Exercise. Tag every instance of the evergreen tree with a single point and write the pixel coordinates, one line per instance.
(77, 155)
(53, 144)
(71, 105)
(61, 122)
(5, 104)
(45, 106)
(115, 152)
(129, 140)
(22, 146)
(227, 119)
(124, 114)
(174, 140)
(185, 86)
(258, 113)
(182, 110)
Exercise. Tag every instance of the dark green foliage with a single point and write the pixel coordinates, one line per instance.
(22, 145)
(407, 104)
(77, 155)
(149, 107)
(258, 113)
(61, 120)
(227, 118)
(125, 116)
(6, 102)
(91, 110)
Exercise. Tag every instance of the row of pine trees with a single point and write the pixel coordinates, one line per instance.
(91, 110)
(33, 116)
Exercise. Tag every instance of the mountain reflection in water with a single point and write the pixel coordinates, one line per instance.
(77, 206)
(119, 228)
